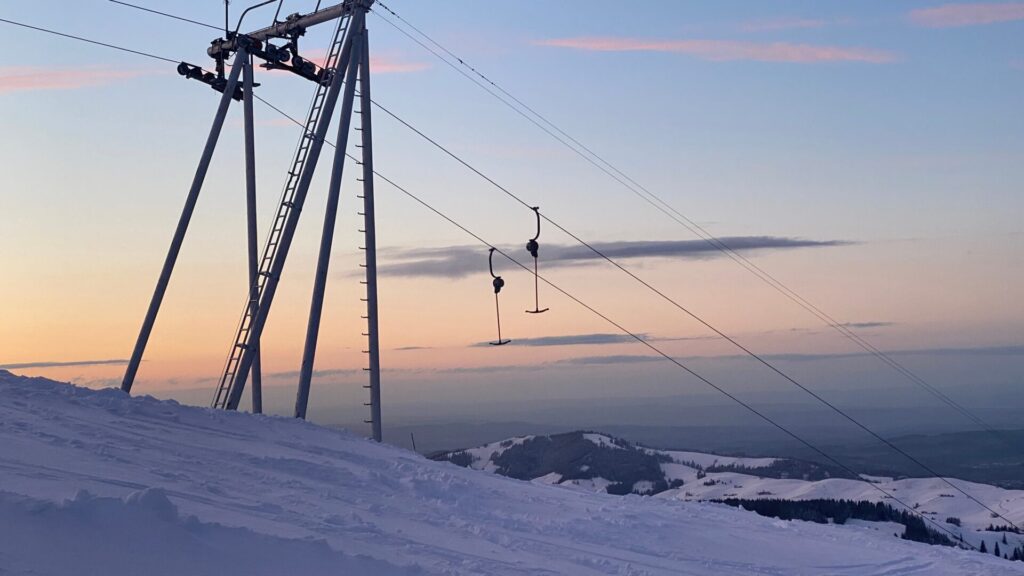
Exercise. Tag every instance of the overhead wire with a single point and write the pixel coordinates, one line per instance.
(661, 205)
(757, 357)
(635, 336)
(174, 16)
(591, 309)
(96, 42)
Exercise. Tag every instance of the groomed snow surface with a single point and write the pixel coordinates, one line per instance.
(95, 482)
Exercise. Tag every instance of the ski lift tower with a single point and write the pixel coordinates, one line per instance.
(346, 66)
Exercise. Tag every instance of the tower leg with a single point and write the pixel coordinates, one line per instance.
(371, 239)
(250, 204)
(327, 238)
(183, 221)
(288, 234)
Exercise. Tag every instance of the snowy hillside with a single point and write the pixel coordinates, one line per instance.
(602, 463)
(95, 482)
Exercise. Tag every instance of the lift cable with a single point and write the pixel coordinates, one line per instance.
(759, 358)
(678, 363)
(661, 205)
(144, 9)
(96, 42)
(642, 340)
(633, 335)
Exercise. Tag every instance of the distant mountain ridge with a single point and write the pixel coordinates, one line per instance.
(598, 462)
(613, 465)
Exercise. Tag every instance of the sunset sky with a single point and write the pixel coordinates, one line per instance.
(869, 154)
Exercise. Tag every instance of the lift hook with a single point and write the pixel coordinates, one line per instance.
(498, 284)
(533, 248)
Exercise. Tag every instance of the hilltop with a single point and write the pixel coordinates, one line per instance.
(603, 463)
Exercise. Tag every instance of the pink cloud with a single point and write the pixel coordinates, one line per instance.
(386, 65)
(721, 50)
(782, 24)
(26, 78)
(954, 15)
(278, 122)
(379, 64)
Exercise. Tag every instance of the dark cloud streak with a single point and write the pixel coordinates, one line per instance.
(867, 324)
(572, 340)
(51, 364)
(461, 261)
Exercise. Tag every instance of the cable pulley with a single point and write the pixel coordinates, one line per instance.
(498, 284)
(534, 248)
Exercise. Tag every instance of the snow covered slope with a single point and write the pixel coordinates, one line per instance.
(95, 482)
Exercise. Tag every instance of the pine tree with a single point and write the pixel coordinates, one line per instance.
(996, 550)
(983, 549)
(1004, 538)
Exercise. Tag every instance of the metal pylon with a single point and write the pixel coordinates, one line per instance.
(347, 64)
(245, 347)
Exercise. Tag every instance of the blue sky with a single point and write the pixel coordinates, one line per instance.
(891, 129)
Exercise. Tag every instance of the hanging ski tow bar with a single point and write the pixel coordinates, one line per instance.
(498, 284)
(533, 248)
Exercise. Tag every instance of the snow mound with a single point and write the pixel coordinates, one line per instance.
(143, 534)
(180, 490)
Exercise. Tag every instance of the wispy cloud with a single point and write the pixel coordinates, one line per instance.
(610, 359)
(956, 15)
(572, 340)
(777, 24)
(317, 373)
(57, 364)
(987, 351)
(867, 324)
(29, 78)
(388, 65)
(278, 123)
(461, 261)
(379, 63)
(729, 50)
